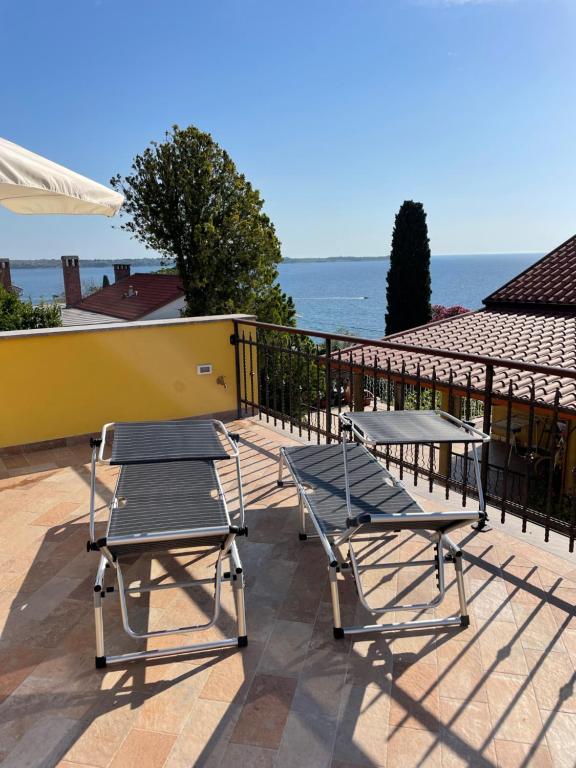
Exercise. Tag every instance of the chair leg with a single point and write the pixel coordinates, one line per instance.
(464, 618)
(240, 610)
(238, 583)
(333, 576)
(302, 535)
(235, 577)
(98, 614)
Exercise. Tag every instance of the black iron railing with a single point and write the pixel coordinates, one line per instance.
(301, 380)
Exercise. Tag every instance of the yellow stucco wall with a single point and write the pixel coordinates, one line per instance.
(66, 382)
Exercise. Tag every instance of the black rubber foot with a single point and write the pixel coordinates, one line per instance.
(483, 525)
(100, 662)
(279, 483)
(338, 633)
(464, 621)
(302, 536)
(243, 641)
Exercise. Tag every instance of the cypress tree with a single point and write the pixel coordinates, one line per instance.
(105, 281)
(408, 287)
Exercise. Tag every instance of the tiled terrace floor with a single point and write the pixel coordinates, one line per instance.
(500, 693)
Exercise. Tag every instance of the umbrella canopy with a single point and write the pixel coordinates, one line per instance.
(30, 183)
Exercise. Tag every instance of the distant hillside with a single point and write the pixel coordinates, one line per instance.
(43, 263)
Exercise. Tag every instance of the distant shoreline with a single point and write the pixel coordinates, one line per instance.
(148, 262)
(300, 260)
(44, 263)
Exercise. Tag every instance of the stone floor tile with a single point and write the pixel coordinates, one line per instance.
(500, 648)
(512, 754)
(341, 764)
(466, 734)
(370, 662)
(58, 514)
(569, 641)
(411, 748)
(230, 677)
(206, 735)
(245, 756)
(553, 679)
(166, 708)
(286, 649)
(320, 684)
(15, 461)
(322, 632)
(523, 585)
(513, 708)
(561, 737)
(16, 663)
(43, 744)
(460, 672)
(416, 645)
(489, 600)
(415, 701)
(145, 749)
(272, 581)
(308, 740)
(562, 604)
(537, 628)
(263, 717)
(362, 726)
(481, 562)
(301, 602)
(105, 731)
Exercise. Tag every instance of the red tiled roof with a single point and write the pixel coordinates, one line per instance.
(551, 281)
(151, 292)
(543, 337)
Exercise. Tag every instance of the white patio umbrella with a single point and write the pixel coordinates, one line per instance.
(32, 184)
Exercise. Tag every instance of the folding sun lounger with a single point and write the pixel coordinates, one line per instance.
(345, 491)
(168, 497)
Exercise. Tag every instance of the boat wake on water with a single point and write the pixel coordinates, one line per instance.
(331, 298)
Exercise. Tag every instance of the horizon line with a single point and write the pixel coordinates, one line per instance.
(132, 259)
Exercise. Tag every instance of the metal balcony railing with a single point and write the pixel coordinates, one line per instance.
(301, 380)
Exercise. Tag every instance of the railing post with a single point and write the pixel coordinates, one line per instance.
(486, 426)
(328, 354)
(235, 339)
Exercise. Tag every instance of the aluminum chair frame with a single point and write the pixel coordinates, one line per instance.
(423, 521)
(182, 539)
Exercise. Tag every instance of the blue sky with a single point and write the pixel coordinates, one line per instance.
(337, 110)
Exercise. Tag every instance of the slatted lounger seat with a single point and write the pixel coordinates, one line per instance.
(168, 496)
(319, 470)
(344, 491)
(163, 506)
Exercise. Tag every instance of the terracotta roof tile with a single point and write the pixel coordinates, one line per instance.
(551, 281)
(545, 337)
(151, 291)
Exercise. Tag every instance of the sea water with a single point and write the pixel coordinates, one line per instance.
(334, 295)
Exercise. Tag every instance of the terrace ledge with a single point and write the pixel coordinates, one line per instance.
(7, 335)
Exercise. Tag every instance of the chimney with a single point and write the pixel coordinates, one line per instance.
(71, 271)
(121, 271)
(5, 279)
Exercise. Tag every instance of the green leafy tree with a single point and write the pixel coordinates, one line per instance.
(408, 283)
(18, 315)
(105, 281)
(186, 200)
